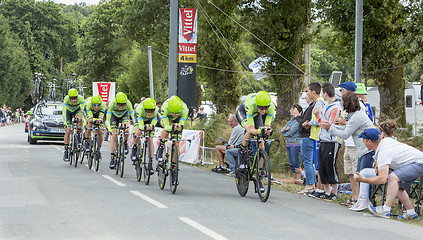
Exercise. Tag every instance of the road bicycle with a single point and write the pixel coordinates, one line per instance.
(144, 160)
(93, 155)
(74, 149)
(257, 168)
(37, 88)
(170, 151)
(120, 150)
(52, 96)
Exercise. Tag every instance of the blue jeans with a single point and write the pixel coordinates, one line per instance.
(316, 145)
(365, 161)
(365, 187)
(231, 155)
(294, 154)
(307, 155)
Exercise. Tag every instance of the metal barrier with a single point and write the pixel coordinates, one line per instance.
(206, 155)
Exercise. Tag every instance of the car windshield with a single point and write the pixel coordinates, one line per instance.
(51, 110)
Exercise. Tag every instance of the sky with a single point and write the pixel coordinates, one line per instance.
(71, 2)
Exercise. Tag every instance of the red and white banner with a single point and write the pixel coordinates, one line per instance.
(105, 89)
(187, 25)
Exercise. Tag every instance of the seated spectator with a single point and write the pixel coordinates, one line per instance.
(387, 129)
(231, 148)
(201, 113)
(406, 163)
(293, 140)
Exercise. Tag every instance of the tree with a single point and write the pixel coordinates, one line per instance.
(282, 25)
(14, 67)
(47, 35)
(385, 44)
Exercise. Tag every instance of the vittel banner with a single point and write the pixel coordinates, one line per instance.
(187, 55)
(105, 89)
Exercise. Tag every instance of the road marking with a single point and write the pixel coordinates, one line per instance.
(92, 168)
(114, 181)
(202, 229)
(148, 199)
(58, 148)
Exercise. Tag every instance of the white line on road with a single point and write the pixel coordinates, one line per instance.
(202, 229)
(61, 149)
(93, 168)
(113, 180)
(150, 200)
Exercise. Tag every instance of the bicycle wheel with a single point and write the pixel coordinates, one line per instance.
(34, 93)
(117, 156)
(263, 176)
(162, 172)
(122, 158)
(174, 169)
(75, 150)
(242, 181)
(90, 154)
(147, 163)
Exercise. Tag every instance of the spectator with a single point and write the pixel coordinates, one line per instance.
(362, 95)
(329, 146)
(387, 129)
(421, 88)
(159, 105)
(1, 117)
(313, 93)
(231, 148)
(357, 123)
(201, 113)
(293, 140)
(406, 163)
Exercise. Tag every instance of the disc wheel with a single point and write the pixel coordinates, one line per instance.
(173, 179)
(147, 165)
(242, 181)
(263, 176)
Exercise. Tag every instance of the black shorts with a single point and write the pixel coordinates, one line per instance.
(241, 117)
(114, 120)
(70, 115)
(328, 154)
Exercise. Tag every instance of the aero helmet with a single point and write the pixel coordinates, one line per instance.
(175, 104)
(121, 97)
(263, 99)
(96, 99)
(149, 103)
(73, 92)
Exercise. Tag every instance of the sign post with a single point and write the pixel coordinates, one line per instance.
(187, 55)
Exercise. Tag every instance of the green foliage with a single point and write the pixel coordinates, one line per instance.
(46, 33)
(14, 67)
(283, 25)
(385, 42)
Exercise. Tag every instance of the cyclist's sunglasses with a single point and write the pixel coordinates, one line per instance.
(262, 107)
(149, 110)
(73, 98)
(121, 104)
(96, 104)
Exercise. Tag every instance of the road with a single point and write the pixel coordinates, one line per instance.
(44, 198)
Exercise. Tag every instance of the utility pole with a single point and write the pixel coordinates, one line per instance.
(358, 40)
(150, 71)
(173, 46)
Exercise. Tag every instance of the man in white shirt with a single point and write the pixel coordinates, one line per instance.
(407, 163)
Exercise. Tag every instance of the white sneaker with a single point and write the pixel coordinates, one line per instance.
(357, 204)
(364, 204)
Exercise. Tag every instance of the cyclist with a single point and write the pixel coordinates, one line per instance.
(119, 110)
(147, 115)
(174, 112)
(72, 108)
(94, 112)
(254, 114)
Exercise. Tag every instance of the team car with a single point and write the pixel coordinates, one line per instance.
(46, 123)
